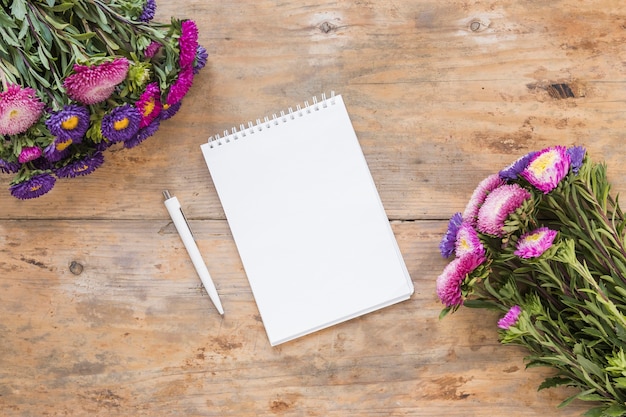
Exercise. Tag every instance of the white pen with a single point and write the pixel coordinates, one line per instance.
(182, 226)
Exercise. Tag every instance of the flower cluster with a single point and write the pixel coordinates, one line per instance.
(80, 76)
(543, 242)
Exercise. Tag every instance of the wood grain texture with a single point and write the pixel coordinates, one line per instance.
(103, 315)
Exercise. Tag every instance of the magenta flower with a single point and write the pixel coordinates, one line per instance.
(33, 187)
(91, 84)
(121, 123)
(533, 244)
(20, 108)
(84, 166)
(547, 168)
(478, 197)
(451, 279)
(149, 104)
(181, 86)
(448, 242)
(72, 122)
(510, 318)
(29, 153)
(467, 241)
(498, 205)
(188, 43)
(152, 49)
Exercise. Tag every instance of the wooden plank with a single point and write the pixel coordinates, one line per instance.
(460, 88)
(130, 332)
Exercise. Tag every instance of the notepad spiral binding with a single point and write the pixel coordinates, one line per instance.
(267, 123)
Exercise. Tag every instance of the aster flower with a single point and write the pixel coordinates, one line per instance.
(188, 43)
(149, 104)
(57, 150)
(168, 111)
(498, 205)
(7, 167)
(91, 84)
(510, 318)
(149, 9)
(478, 197)
(20, 108)
(143, 134)
(467, 241)
(448, 242)
(121, 123)
(450, 281)
(535, 243)
(576, 155)
(547, 168)
(181, 86)
(201, 59)
(72, 122)
(36, 186)
(84, 166)
(29, 153)
(152, 49)
(512, 171)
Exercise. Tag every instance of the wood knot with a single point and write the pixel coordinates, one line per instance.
(475, 26)
(327, 27)
(76, 268)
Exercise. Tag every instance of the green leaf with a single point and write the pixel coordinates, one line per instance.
(18, 9)
(553, 382)
(574, 397)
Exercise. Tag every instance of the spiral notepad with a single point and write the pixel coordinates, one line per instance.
(305, 214)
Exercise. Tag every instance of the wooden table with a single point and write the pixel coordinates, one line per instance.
(102, 311)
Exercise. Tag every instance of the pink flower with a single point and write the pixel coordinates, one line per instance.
(547, 168)
(20, 108)
(152, 49)
(510, 318)
(181, 86)
(498, 205)
(533, 244)
(149, 104)
(28, 154)
(467, 241)
(188, 43)
(450, 281)
(478, 197)
(91, 84)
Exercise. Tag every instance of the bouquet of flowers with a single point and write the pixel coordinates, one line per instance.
(542, 242)
(81, 75)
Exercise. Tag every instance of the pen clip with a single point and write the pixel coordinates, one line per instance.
(188, 225)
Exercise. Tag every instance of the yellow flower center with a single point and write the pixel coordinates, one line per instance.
(61, 146)
(14, 113)
(544, 161)
(464, 244)
(534, 237)
(121, 124)
(35, 187)
(166, 106)
(70, 123)
(81, 169)
(149, 108)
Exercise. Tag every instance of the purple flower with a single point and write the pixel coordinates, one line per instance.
(72, 122)
(448, 242)
(149, 104)
(7, 167)
(512, 171)
(547, 168)
(84, 166)
(498, 205)
(20, 108)
(29, 153)
(33, 187)
(201, 58)
(510, 318)
(181, 86)
(451, 279)
(467, 241)
(478, 197)
(57, 150)
(170, 110)
(576, 155)
(143, 134)
(91, 84)
(149, 9)
(121, 123)
(534, 243)
(188, 43)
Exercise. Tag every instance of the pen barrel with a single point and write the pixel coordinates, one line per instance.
(174, 209)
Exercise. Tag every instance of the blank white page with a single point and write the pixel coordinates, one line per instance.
(305, 214)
